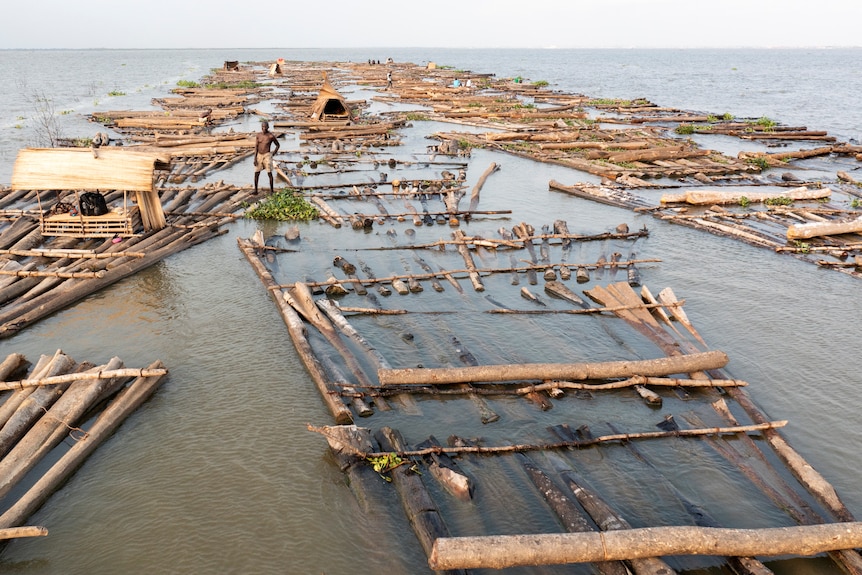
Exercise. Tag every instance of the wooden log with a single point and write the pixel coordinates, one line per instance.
(340, 412)
(706, 197)
(10, 365)
(653, 154)
(33, 405)
(108, 373)
(568, 512)
(604, 370)
(104, 426)
(17, 532)
(55, 425)
(819, 229)
(474, 195)
(421, 511)
(475, 279)
(501, 551)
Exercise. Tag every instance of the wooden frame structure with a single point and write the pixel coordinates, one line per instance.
(96, 170)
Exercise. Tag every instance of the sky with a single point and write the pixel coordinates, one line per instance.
(440, 24)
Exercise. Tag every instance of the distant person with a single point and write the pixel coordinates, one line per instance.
(389, 80)
(456, 83)
(263, 155)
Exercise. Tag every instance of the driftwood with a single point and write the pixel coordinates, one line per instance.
(501, 551)
(495, 373)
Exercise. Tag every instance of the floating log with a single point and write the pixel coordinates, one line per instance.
(104, 426)
(491, 373)
(819, 229)
(468, 261)
(501, 551)
(706, 197)
(17, 532)
(297, 331)
(70, 377)
(566, 510)
(474, 195)
(418, 505)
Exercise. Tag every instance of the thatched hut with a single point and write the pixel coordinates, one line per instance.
(330, 106)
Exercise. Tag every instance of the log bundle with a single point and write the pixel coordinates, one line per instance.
(46, 408)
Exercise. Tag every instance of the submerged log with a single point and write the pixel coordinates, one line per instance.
(501, 551)
(603, 370)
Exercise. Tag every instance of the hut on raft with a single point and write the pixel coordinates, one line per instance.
(86, 174)
(330, 106)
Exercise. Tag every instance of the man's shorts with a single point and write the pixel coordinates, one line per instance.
(264, 162)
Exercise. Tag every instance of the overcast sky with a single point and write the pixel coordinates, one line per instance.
(436, 23)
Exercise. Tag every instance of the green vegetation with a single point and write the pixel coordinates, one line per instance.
(685, 129)
(66, 112)
(744, 201)
(188, 84)
(855, 203)
(779, 201)
(540, 83)
(116, 93)
(727, 117)
(761, 163)
(803, 247)
(283, 205)
(243, 85)
(416, 117)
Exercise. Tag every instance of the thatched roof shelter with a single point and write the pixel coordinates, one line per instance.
(97, 170)
(330, 105)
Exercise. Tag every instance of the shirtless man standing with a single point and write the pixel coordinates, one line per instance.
(263, 155)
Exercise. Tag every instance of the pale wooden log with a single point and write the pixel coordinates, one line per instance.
(818, 229)
(501, 551)
(653, 154)
(104, 426)
(704, 197)
(606, 370)
(296, 328)
(474, 195)
(27, 531)
(48, 274)
(60, 253)
(334, 218)
(475, 279)
(56, 424)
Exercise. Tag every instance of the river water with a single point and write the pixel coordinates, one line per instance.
(217, 472)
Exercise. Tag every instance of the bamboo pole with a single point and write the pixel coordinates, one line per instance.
(604, 370)
(501, 551)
